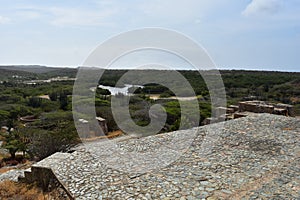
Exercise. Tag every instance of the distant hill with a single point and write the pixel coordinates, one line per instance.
(25, 72)
(70, 72)
(30, 68)
(6, 74)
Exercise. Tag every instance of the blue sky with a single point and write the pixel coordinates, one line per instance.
(238, 34)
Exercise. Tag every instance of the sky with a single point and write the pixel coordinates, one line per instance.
(237, 34)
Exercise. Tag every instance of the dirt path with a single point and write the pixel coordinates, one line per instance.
(109, 135)
(44, 97)
(157, 96)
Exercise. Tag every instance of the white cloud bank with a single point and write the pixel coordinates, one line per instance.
(262, 7)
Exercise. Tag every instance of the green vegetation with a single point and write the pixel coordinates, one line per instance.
(49, 103)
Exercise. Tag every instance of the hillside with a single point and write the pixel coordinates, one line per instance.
(37, 69)
(11, 75)
(21, 73)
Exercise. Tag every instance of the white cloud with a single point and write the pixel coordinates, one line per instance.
(4, 20)
(262, 7)
(78, 17)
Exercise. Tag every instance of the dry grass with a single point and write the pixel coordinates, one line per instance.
(3, 155)
(109, 136)
(3, 170)
(11, 190)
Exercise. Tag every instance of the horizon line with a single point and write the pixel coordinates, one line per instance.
(128, 68)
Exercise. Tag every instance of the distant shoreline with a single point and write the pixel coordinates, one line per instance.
(3, 66)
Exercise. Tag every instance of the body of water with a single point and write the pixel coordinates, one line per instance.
(116, 90)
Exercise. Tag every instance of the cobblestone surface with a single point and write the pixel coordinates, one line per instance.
(12, 175)
(256, 157)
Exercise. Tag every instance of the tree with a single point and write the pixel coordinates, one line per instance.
(53, 96)
(63, 100)
(13, 142)
(4, 115)
(44, 143)
(35, 102)
(55, 132)
(102, 91)
(12, 146)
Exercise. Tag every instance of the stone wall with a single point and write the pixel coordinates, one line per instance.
(256, 107)
(46, 179)
(263, 107)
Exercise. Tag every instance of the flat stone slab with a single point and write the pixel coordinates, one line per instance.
(255, 157)
(12, 175)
